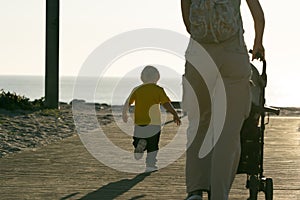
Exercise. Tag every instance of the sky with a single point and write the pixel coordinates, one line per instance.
(86, 24)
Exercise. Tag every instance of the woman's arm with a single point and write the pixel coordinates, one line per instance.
(259, 26)
(185, 10)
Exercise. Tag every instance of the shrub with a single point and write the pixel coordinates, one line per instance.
(13, 101)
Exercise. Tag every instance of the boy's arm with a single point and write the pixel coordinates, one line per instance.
(125, 109)
(168, 106)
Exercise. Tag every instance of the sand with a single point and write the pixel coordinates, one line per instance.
(21, 129)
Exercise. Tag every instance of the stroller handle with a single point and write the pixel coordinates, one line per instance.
(272, 110)
(264, 68)
(257, 55)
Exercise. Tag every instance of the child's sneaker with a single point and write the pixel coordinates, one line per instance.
(139, 150)
(151, 169)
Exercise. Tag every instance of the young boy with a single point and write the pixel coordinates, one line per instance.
(147, 117)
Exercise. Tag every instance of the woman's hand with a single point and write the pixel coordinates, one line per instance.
(258, 52)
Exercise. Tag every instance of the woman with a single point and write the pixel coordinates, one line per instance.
(215, 172)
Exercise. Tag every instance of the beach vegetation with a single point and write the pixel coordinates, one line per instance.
(50, 112)
(13, 101)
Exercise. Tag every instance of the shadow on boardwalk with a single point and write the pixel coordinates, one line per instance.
(114, 189)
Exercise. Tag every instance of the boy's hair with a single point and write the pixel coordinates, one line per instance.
(150, 74)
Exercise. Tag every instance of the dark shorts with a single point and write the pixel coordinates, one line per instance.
(151, 133)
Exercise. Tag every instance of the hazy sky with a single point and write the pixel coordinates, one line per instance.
(85, 24)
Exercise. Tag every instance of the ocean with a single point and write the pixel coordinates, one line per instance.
(110, 90)
(115, 90)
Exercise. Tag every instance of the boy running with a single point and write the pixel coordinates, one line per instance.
(147, 116)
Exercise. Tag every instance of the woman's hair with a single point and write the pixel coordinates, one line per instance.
(150, 74)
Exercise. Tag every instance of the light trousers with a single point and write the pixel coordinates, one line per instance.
(215, 169)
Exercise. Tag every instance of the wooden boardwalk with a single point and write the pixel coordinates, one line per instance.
(65, 170)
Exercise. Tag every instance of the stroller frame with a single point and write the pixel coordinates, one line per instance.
(252, 143)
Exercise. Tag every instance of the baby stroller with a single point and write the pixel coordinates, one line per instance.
(252, 139)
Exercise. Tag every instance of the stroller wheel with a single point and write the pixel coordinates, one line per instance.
(253, 186)
(269, 189)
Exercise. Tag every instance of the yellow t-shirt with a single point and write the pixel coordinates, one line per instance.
(147, 98)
